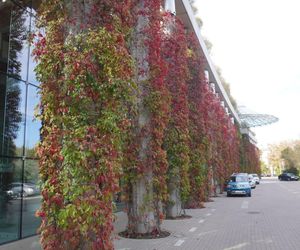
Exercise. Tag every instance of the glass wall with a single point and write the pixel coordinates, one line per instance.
(19, 130)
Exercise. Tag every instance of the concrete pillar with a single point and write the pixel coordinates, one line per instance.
(174, 208)
(141, 213)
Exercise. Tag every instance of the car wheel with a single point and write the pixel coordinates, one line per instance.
(249, 194)
(228, 194)
(24, 194)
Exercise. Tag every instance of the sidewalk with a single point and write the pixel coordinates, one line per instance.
(180, 231)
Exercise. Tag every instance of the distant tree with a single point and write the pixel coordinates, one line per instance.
(285, 156)
(288, 155)
(291, 158)
(274, 156)
(292, 170)
(264, 168)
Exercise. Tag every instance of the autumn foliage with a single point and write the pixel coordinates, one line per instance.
(87, 70)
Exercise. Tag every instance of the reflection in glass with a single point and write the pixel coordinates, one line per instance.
(32, 64)
(32, 200)
(12, 110)
(33, 125)
(18, 43)
(10, 198)
(31, 73)
(5, 12)
(19, 191)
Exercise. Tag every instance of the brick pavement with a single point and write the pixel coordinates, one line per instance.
(269, 220)
(266, 221)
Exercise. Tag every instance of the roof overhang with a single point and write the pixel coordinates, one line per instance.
(185, 13)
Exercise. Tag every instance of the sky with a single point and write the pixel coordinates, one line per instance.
(256, 43)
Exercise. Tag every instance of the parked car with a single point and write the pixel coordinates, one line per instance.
(15, 189)
(239, 185)
(288, 177)
(252, 182)
(256, 178)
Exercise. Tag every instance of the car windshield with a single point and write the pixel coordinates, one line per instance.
(254, 175)
(239, 178)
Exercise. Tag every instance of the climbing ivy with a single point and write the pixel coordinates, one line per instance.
(91, 92)
(85, 71)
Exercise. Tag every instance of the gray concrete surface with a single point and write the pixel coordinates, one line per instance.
(268, 220)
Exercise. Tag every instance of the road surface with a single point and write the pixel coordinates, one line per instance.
(270, 219)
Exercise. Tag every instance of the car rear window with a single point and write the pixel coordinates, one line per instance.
(239, 178)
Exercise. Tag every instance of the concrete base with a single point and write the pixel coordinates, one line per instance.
(174, 209)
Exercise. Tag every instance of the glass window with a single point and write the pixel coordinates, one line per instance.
(12, 110)
(18, 43)
(239, 178)
(5, 13)
(31, 73)
(32, 199)
(10, 198)
(32, 64)
(33, 125)
(26, 4)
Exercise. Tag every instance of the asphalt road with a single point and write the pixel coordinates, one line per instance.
(270, 219)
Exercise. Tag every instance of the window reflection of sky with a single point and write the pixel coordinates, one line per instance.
(33, 125)
(32, 63)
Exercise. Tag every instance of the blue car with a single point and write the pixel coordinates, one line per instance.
(238, 185)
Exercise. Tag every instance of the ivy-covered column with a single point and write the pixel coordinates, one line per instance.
(199, 143)
(140, 206)
(176, 141)
(146, 174)
(85, 72)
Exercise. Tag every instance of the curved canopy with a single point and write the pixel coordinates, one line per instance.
(251, 119)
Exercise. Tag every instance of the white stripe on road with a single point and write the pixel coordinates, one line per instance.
(208, 214)
(201, 221)
(245, 205)
(178, 243)
(213, 210)
(208, 232)
(239, 246)
(193, 229)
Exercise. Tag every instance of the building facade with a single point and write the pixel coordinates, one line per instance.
(19, 131)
